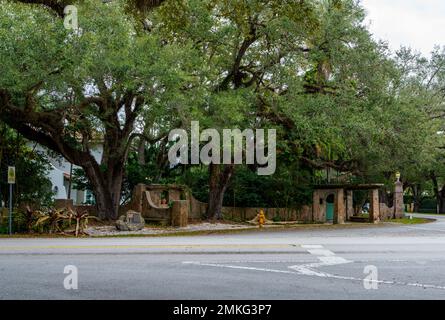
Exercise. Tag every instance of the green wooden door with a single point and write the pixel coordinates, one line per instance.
(329, 211)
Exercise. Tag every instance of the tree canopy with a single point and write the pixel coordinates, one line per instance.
(134, 70)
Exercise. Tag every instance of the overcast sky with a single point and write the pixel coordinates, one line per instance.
(419, 24)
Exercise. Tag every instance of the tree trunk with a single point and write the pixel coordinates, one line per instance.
(383, 197)
(441, 200)
(417, 192)
(218, 182)
(107, 203)
(141, 152)
(107, 188)
(440, 195)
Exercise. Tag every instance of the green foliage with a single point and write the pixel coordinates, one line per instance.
(428, 205)
(247, 189)
(309, 69)
(149, 172)
(72, 89)
(280, 190)
(23, 221)
(80, 180)
(414, 220)
(32, 168)
(197, 179)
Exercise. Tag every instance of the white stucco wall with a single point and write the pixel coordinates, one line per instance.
(56, 178)
(61, 166)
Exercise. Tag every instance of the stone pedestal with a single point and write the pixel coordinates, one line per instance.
(374, 208)
(398, 200)
(340, 209)
(180, 213)
(349, 204)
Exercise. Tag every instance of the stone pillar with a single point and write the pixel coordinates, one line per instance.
(180, 213)
(136, 197)
(315, 206)
(398, 200)
(374, 209)
(340, 208)
(349, 204)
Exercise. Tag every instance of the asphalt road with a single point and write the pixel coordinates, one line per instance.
(367, 262)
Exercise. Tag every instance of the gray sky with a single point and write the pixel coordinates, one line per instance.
(419, 24)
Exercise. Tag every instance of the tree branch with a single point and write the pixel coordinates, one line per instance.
(56, 5)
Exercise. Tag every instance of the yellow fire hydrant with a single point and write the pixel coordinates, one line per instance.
(261, 219)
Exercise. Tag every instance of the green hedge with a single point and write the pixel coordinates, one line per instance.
(428, 204)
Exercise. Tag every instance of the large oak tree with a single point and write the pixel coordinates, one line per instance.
(71, 90)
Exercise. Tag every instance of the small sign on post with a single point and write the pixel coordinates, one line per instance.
(11, 181)
(11, 175)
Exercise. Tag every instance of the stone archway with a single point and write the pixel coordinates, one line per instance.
(330, 207)
(343, 201)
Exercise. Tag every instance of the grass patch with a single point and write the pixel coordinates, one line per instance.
(429, 214)
(414, 220)
(38, 235)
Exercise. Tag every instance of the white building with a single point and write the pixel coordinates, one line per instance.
(60, 177)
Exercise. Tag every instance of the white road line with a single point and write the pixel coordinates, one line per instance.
(312, 246)
(237, 267)
(305, 261)
(321, 252)
(253, 261)
(330, 261)
(318, 274)
(426, 229)
(326, 257)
